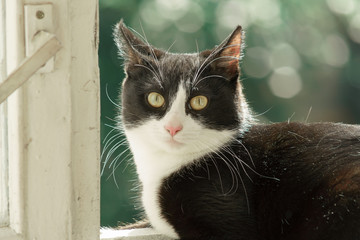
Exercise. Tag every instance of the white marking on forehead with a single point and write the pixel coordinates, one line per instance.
(178, 105)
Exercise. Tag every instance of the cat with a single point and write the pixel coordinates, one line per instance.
(209, 170)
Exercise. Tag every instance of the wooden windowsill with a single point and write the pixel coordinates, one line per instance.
(131, 234)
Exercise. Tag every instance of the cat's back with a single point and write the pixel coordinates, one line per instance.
(306, 131)
(318, 165)
(305, 142)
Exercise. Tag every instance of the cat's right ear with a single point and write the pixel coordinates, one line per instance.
(132, 49)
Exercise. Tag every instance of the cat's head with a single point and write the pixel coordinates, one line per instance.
(181, 103)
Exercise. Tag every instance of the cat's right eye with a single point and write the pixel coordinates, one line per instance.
(155, 99)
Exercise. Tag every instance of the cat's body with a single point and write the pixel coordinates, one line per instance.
(208, 171)
(317, 195)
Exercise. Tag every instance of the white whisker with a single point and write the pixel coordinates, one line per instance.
(215, 59)
(308, 115)
(168, 50)
(263, 113)
(108, 96)
(292, 115)
(210, 76)
(114, 138)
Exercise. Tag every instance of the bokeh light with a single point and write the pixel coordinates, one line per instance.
(283, 54)
(192, 20)
(172, 10)
(343, 6)
(257, 62)
(230, 13)
(285, 82)
(354, 28)
(335, 51)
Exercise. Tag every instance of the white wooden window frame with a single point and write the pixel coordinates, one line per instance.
(4, 211)
(53, 128)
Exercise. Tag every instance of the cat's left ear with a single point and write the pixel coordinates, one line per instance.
(226, 57)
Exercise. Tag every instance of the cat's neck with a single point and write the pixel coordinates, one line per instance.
(153, 165)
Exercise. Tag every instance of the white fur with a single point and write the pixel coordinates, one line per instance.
(157, 154)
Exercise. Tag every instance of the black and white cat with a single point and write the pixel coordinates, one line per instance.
(209, 171)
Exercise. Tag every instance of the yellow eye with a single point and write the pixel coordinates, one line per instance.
(198, 102)
(155, 99)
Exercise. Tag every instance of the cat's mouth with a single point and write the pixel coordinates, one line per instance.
(174, 143)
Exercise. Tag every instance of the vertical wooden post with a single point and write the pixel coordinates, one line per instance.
(54, 129)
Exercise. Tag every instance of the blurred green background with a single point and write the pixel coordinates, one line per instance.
(302, 61)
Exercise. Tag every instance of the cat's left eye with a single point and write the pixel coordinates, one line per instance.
(198, 102)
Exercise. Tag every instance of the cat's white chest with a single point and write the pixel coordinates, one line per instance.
(152, 172)
(150, 199)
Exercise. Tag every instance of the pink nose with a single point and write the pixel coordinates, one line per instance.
(173, 129)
